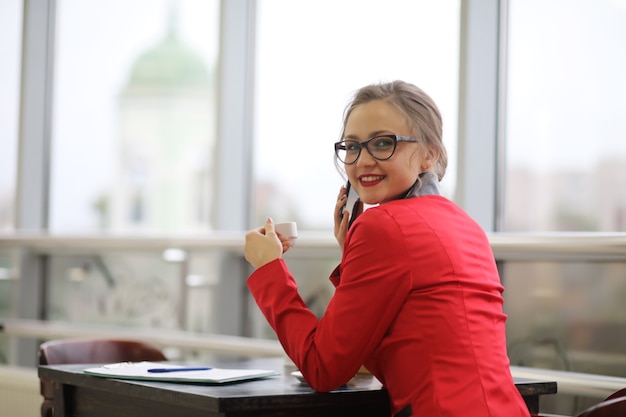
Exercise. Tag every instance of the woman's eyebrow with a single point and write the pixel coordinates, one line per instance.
(371, 135)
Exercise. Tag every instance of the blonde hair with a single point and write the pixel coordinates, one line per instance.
(421, 112)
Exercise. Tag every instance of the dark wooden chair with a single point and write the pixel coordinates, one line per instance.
(90, 351)
(615, 407)
(617, 394)
(612, 406)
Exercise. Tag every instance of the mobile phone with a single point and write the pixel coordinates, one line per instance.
(351, 203)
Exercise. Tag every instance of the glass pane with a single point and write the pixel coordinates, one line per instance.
(134, 115)
(567, 316)
(10, 50)
(9, 260)
(139, 288)
(566, 147)
(311, 56)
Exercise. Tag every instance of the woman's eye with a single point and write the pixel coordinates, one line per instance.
(352, 147)
(383, 143)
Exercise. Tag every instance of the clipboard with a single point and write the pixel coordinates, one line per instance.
(176, 373)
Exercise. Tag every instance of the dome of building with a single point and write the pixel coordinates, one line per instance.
(168, 64)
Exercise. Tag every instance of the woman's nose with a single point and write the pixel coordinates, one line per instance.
(365, 159)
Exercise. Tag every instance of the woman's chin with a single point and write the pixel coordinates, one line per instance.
(370, 201)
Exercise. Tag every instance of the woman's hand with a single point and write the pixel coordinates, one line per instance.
(341, 224)
(263, 245)
(285, 241)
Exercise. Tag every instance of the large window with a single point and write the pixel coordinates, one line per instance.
(134, 115)
(311, 57)
(10, 47)
(566, 171)
(566, 131)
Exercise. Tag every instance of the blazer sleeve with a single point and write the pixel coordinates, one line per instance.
(375, 282)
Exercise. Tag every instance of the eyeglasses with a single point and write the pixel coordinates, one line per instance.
(380, 147)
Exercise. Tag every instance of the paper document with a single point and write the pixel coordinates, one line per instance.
(160, 371)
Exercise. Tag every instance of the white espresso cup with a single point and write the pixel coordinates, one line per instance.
(288, 229)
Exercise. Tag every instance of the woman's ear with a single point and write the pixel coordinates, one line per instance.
(431, 157)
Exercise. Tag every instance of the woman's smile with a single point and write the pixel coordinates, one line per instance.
(370, 180)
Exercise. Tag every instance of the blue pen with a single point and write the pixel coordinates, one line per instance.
(183, 369)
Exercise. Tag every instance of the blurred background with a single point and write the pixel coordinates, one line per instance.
(139, 140)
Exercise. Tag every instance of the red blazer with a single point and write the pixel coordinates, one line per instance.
(418, 301)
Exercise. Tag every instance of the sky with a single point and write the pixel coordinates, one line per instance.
(567, 83)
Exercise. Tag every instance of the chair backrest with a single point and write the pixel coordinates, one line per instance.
(92, 351)
(615, 407)
(617, 394)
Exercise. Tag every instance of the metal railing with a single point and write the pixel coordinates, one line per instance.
(215, 343)
(514, 246)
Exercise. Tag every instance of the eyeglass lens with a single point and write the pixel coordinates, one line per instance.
(381, 148)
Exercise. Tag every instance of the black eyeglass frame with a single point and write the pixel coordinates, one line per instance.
(365, 144)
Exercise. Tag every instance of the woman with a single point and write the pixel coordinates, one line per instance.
(418, 298)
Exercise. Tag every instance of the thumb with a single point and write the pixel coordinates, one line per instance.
(269, 226)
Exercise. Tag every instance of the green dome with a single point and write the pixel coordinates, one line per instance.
(169, 63)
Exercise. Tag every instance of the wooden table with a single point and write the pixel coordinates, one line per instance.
(80, 395)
